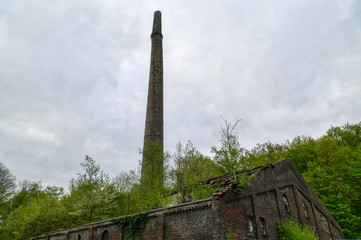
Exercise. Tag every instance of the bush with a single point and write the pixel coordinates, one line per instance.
(290, 229)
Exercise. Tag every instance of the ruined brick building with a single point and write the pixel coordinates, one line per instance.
(276, 192)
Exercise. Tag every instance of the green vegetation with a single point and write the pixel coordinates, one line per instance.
(290, 229)
(154, 187)
(92, 194)
(191, 168)
(231, 157)
(132, 225)
(7, 188)
(331, 165)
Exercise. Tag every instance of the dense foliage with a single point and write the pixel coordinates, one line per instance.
(330, 164)
(191, 168)
(290, 229)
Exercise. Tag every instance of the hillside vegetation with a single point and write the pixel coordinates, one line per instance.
(330, 164)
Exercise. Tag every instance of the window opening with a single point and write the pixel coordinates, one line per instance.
(285, 201)
(105, 235)
(263, 226)
(250, 225)
(305, 209)
(79, 237)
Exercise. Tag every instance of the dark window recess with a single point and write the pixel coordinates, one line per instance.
(263, 226)
(305, 209)
(105, 235)
(285, 201)
(250, 225)
(79, 237)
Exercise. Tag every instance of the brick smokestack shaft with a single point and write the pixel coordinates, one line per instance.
(154, 117)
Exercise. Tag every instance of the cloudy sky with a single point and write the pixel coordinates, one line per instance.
(74, 75)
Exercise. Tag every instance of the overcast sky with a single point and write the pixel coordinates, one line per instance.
(74, 77)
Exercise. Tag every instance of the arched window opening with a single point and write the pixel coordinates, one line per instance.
(285, 201)
(79, 237)
(105, 235)
(305, 209)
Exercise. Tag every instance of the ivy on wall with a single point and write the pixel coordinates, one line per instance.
(132, 225)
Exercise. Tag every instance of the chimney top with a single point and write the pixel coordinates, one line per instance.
(157, 23)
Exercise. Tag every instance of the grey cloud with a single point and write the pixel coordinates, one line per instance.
(74, 77)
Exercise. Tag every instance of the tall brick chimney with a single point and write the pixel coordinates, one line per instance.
(152, 163)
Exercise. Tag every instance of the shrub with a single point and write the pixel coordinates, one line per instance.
(290, 229)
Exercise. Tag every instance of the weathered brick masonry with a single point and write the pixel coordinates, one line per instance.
(276, 192)
(152, 168)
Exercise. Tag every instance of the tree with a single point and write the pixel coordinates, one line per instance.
(41, 214)
(191, 169)
(7, 187)
(34, 210)
(347, 135)
(301, 151)
(266, 153)
(129, 193)
(231, 157)
(28, 190)
(92, 194)
(335, 177)
(7, 183)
